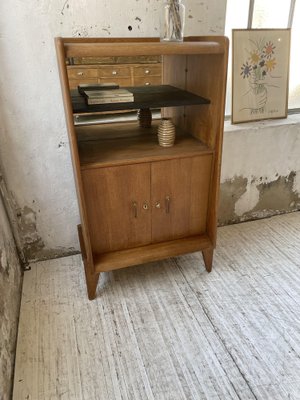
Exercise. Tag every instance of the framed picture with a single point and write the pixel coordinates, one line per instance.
(260, 74)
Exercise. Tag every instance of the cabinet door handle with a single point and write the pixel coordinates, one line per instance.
(134, 207)
(114, 73)
(80, 73)
(168, 201)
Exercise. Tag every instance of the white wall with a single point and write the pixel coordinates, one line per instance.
(33, 138)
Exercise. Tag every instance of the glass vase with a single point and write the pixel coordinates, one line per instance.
(172, 21)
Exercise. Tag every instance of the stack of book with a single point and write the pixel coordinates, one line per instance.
(103, 94)
(97, 86)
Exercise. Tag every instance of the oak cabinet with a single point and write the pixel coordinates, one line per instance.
(140, 202)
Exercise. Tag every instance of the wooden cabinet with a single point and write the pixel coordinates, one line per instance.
(140, 202)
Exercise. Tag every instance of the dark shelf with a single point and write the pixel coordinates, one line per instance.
(144, 97)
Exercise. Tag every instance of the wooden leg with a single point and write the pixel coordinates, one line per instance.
(91, 282)
(91, 278)
(208, 258)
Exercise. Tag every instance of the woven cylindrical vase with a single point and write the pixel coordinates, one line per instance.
(166, 133)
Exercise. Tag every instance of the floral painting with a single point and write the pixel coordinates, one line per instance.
(260, 74)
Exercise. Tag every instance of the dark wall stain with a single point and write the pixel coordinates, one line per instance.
(49, 254)
(1, 266)
(32, 242)
(276, 197)
(230, 191)
(3, 263)
(10, 296)
(33, 245)
(278, 194)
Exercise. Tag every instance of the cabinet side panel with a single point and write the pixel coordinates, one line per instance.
(174, 73)
(61, 58)
(115, 197)
(207, 77)
(180, 191)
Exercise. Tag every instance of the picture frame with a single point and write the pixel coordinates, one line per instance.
(260, 74)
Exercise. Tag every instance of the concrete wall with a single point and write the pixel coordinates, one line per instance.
(260, 170)
(10, 294)
(33, 139)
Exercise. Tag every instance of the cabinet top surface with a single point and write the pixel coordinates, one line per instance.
(84, 47)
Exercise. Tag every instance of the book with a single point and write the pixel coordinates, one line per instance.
(97, 86)
(106, 100)
(108, 96)
(107, 93)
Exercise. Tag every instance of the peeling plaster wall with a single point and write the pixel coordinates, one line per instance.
(33, 139)
(10, 295)
(260, 170)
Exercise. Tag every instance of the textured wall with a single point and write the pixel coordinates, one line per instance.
(260, 170)
(10, 294)
(33, 139)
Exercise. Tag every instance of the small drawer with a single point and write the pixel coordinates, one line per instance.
(73, 83)
(147, 70)
(81, 73)
(121, 81)
(147, 80)
(113, 71)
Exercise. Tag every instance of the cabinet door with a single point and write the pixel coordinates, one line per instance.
(180, 190)
(118, 206)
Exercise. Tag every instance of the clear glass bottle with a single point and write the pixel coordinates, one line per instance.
(172, 21)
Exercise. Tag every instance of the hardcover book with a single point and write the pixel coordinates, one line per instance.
(97, 86)
(108, 96)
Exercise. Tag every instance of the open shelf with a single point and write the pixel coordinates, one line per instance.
(120, 144)
(144, 97)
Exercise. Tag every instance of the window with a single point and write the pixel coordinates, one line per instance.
(256, 14)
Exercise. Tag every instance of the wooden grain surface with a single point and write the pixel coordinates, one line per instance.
(116, 144)
(169, 330)
(61, 60)
(180, 188)
(115, 199)
(151, 252)
(115, 47)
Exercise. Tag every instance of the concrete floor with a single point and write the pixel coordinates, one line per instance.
(169, 330)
